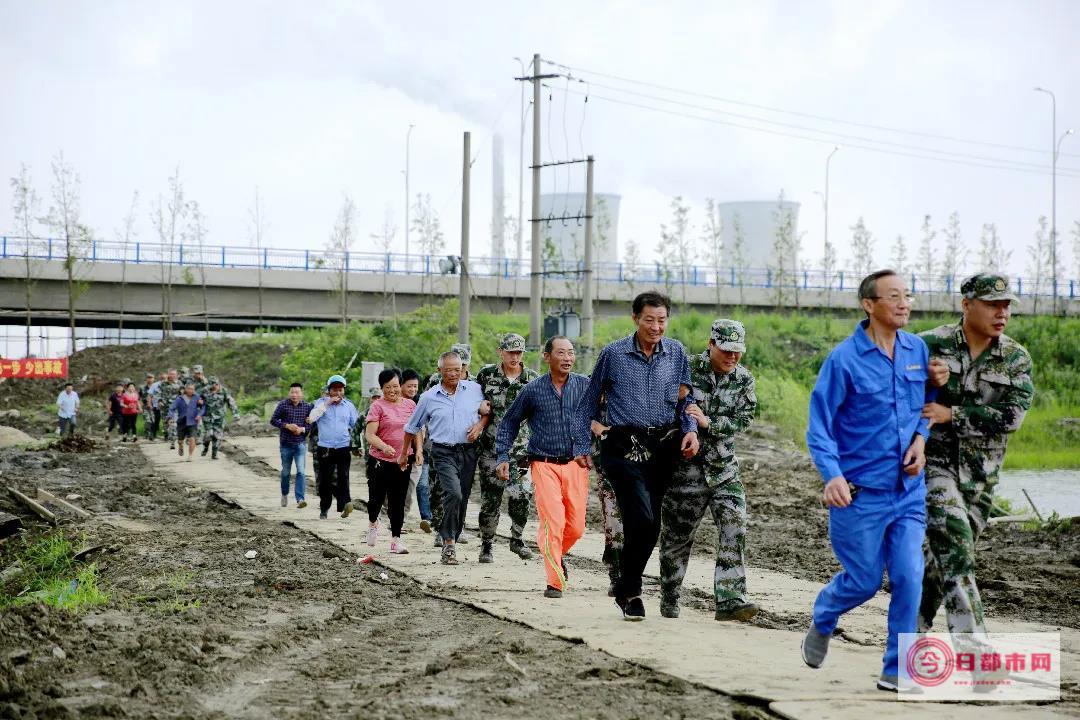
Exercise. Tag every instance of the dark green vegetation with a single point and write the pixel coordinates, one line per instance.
(45, 570)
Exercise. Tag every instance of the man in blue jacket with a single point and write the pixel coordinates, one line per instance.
(867, 438)
(187, 411)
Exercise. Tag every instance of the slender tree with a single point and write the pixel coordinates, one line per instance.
(992, 254)
(65, 220)
(341, 241)
(677, 246)
(955, 256)
(25, 207)
(168, 217)
(862, 249)
(785, 252)
(195, 235)
(740, 261)
(126, 235)
(384, 240)
(899, 257)
(712, 236)
(426, 226)
(829, 266)
(1039, 264)
(927, 259)
(631, 261)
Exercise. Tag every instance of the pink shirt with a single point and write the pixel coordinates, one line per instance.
(391, 418)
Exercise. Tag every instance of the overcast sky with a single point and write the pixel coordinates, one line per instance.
(310, 101)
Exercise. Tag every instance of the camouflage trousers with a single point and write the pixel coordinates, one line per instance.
(685, 504)
(518, 490)
(148, 422)
(212, 429)
(956, 515)
(613, 527)
(170, 429)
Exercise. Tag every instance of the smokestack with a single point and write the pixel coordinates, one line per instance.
(498, 200)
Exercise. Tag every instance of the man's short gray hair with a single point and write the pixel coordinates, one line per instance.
(448, 355)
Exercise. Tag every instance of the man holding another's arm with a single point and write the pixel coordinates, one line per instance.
(866, 437)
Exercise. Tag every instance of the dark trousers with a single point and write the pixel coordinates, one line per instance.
(640, 483)
(333, 462)
(454, 467)
(127, 424)
(387, 482)
(153, 432)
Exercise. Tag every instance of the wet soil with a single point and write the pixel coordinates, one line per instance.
(193, 629)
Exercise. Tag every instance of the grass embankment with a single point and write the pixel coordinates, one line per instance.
(784, 352)
(44, 570)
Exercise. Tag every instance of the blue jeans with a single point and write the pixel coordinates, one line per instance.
(423, 493)
(881, 529)
(293, 454)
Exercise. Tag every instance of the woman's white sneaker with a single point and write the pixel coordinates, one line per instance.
(372, 536)
(397, 547)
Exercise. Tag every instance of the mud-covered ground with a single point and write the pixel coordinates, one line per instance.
(192, 629)
(1028, 574)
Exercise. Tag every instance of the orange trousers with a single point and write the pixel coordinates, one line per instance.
(561, 492)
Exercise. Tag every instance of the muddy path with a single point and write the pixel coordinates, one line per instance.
(193, 629)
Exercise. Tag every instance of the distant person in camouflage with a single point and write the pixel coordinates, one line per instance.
(463, 351)
(146, 405)
(609, 507)
(986, 389)
(215, 398)
(725, 402)
(501, 384)
(168, 391)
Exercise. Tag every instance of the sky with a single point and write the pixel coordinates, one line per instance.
(305, 103)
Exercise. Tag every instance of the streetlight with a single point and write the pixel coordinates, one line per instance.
(1055, 144)
(408, 136)
(825, 198)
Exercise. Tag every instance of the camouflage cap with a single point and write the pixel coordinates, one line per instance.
(213, 380)
(987, 286)
(729, 335)
(196, 368)
(463, 350)
(512, 342)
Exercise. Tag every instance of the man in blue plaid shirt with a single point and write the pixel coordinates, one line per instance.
(290, 418)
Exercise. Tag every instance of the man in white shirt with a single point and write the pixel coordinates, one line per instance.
(67, 404)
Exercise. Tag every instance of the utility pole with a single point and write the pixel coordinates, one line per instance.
(587, 293)
(826, 199)
(535, 288)
(463, 274)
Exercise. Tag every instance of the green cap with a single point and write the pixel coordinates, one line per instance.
(987, 286)
(729, 335)
(463, 350)
(512, 342)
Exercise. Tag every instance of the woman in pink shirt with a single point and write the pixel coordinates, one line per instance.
(385, 433)
(130, 407)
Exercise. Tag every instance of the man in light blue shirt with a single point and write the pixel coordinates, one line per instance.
(67, 406)
(866, 437)
(451, 412)
(335, 417)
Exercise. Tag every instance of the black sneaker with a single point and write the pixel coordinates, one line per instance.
(518, 548)
(633, 610)
(485, 552)
(552, 592)
(205, 449)
(669, 607)
(565, 572)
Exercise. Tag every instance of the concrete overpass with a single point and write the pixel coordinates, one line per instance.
(293, 298)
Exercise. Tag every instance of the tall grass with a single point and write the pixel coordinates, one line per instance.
(51, 576)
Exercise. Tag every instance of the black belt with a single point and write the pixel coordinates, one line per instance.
(552, 460)
(457, 446)
(648, 431)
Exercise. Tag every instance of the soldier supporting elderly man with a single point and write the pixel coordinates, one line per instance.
(215, 398)
(501, 383)
(725, 402)
(986, 389)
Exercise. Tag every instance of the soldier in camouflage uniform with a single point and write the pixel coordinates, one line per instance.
(986, 394)
(169, 390)
(147, 407)
(725, 404)
(215, 398)
(501, 391)
(464, 351)
(185, 377)
(609, 507)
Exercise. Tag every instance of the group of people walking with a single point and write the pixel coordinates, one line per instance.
(908, 433)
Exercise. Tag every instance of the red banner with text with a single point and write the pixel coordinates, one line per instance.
(34, 368)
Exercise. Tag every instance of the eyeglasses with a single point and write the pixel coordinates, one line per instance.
(895, 298)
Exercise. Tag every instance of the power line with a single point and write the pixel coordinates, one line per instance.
(839, 137)
(990, 163)
(812, 116)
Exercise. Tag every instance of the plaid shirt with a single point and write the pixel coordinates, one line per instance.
(286, 412)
